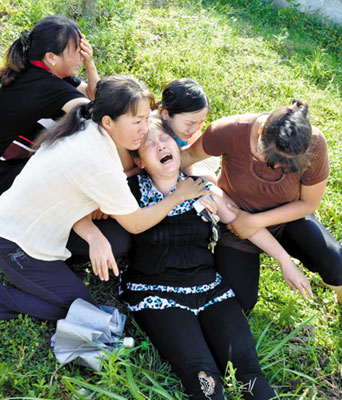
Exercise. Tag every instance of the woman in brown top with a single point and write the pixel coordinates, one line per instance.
(275, 168)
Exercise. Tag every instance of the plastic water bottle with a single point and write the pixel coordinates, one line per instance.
(126, 342)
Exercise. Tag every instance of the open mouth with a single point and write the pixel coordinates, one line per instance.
(166, 158)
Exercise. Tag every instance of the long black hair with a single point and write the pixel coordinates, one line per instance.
(114, 96)
(51, 34)
(286, 138)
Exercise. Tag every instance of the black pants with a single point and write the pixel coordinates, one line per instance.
(199, 347)
(45, 289)
(305, 239)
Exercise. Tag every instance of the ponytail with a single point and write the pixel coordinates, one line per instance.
(286, 138)
(16, 59)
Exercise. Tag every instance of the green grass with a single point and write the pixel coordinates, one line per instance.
(249, 58)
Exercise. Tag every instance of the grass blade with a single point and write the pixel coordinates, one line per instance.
(286, 339)
(263, 333)
(94, 388)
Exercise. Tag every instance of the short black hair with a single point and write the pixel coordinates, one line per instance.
(183, 95)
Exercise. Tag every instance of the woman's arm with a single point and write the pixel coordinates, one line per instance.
(266, 242)
(218, 137)
(129, 168)
(74, 102)
(246, 224)
(193, 154)
(89, 88)
(137, 222)
(195, 170)
(145, 218)
(100, 250)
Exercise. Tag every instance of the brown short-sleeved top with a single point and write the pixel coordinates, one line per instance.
(250, 183)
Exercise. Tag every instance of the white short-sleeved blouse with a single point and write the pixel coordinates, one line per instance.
(61, 184)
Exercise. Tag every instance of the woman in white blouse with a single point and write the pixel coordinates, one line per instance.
(76, 171)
